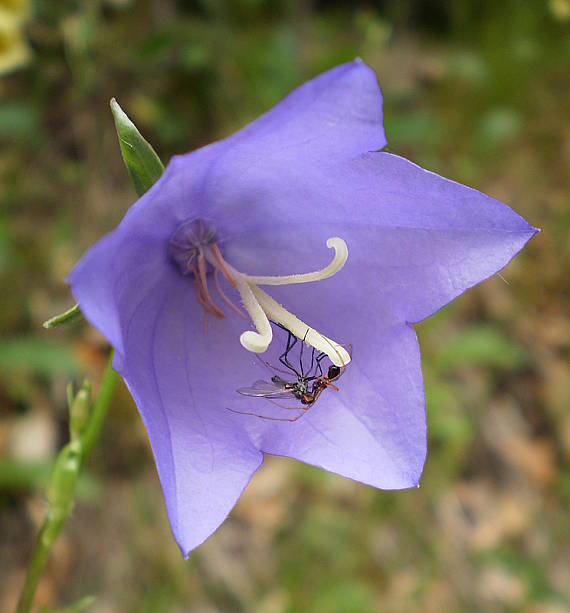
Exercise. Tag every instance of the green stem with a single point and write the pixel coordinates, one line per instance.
(61, 490)
(42, 548)
(100, 409)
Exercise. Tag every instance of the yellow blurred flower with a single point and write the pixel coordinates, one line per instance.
(560, 9)
(16, 11)
(14, 49)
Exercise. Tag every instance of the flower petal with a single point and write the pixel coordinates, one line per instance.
(434, 238)
(417, 238)
(203, 461)
(338, 113)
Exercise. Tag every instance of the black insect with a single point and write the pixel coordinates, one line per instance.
(306, 387)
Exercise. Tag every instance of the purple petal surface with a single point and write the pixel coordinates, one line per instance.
(419, 237)
(203, 461)
(373, 429)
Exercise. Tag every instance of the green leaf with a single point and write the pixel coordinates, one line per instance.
(76, 607)
(480, 346)
(143, 165)
(70, 315)
(413, 128)
(19, 121)
(37, 356)
(498, 127)
(18, 475)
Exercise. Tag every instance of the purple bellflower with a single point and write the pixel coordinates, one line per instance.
(235, 235)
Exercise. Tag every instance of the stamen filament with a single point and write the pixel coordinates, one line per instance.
(338, 261)
(259, 341)
(224, 268)
(277, 313)
(204, 286)
(198, 291)
(193, 248)
(223, 296)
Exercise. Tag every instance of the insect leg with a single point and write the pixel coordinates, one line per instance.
(320, 358)
(283, 357)
(322, 386)
(312, 361)
(289, 419)
(330, 385)
(301, 353)
(270, 366)
(300, 407)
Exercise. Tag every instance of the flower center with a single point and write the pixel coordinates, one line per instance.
(193, 247)
(187, 242)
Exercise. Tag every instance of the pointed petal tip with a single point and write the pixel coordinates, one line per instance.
(359, 64)
(414, 482)
(528, 234)
(186, 550)
(187, 547)
(188, 538)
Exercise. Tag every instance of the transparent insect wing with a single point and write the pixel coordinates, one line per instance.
(264, 389)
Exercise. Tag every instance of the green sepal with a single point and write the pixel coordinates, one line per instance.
(143, 165)
(70, 315)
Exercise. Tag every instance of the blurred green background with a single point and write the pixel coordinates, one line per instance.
(478, 91)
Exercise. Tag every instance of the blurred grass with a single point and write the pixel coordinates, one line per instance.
(35, 355)
(476, 91)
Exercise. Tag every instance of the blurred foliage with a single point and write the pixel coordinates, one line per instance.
(477, 90)
(37, 356)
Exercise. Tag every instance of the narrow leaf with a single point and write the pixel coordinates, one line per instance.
(480, 346)
(70, 315)
(33, 355)
(143, 165)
